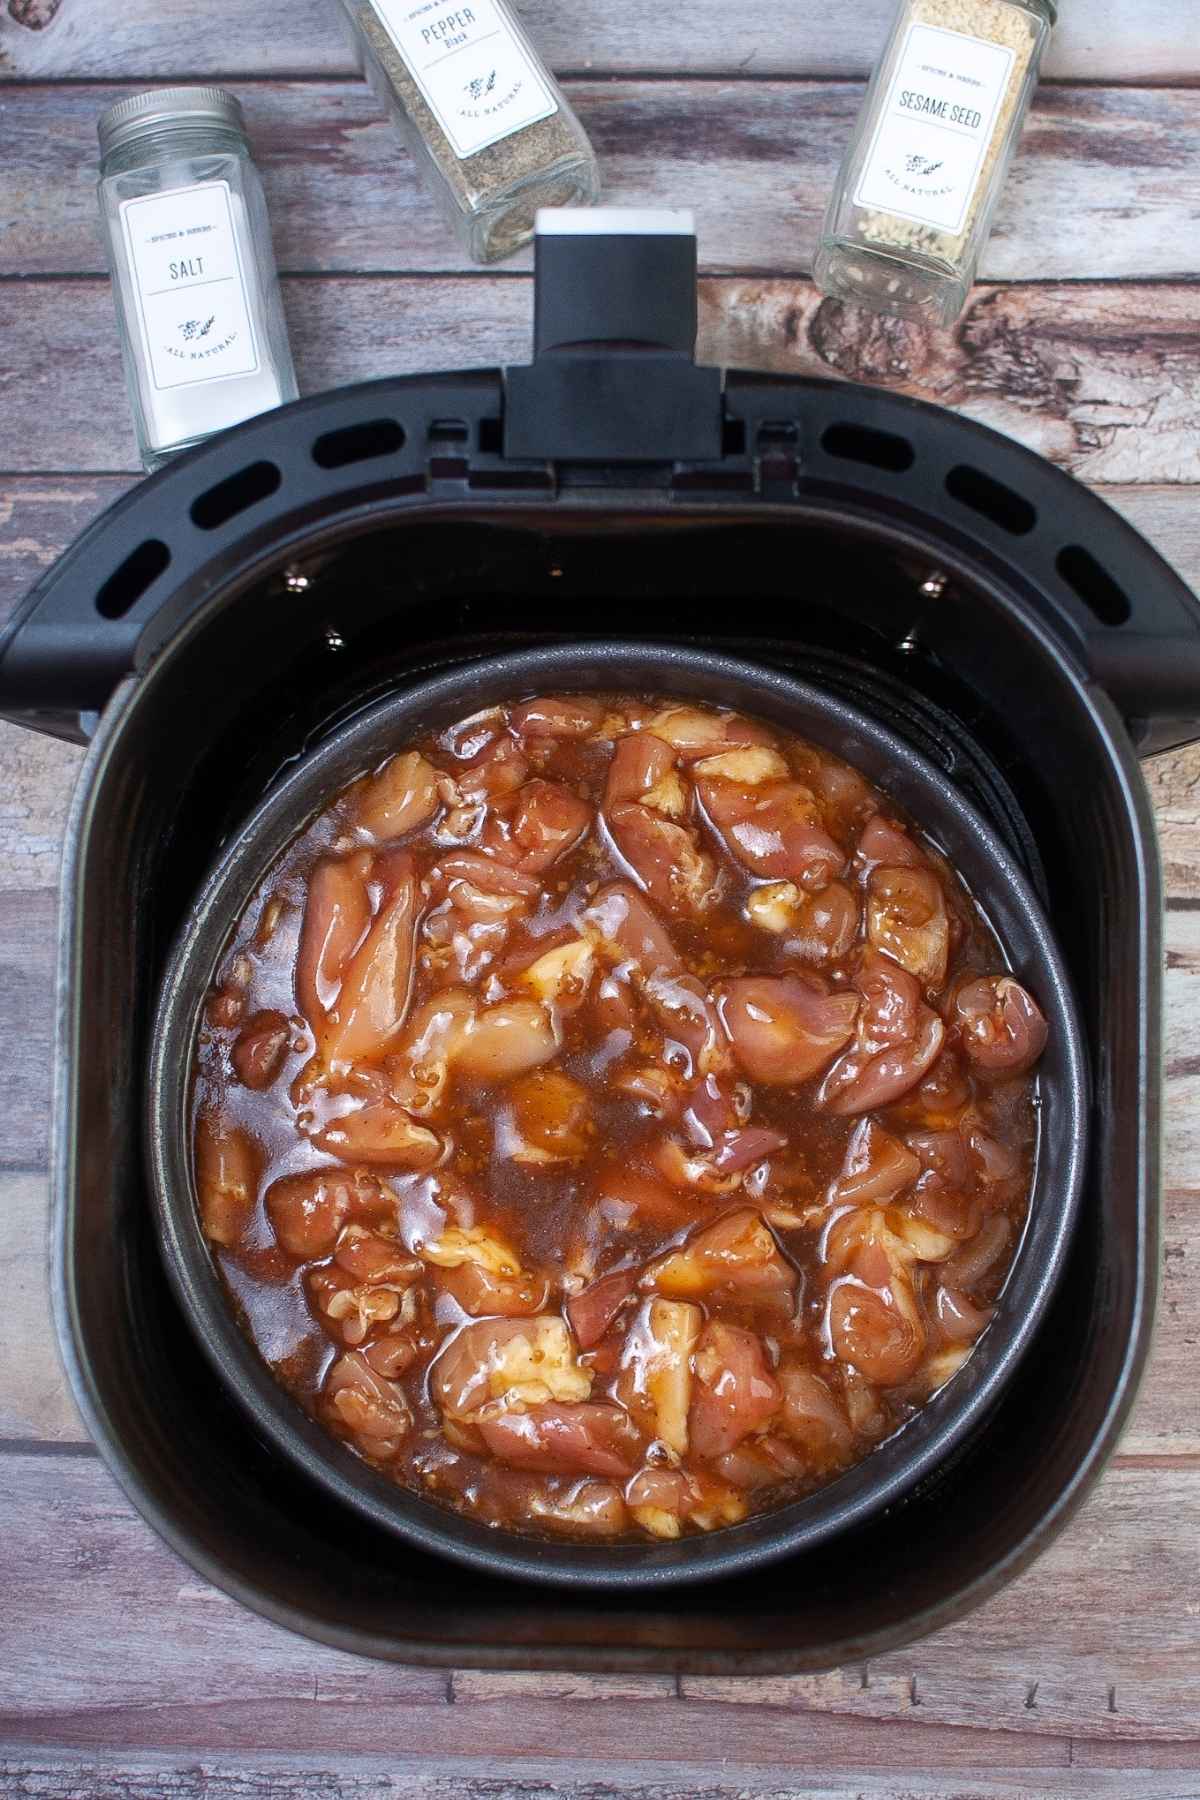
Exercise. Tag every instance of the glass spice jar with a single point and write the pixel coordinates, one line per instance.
(483, 117)
(914, 199)
(203, 336)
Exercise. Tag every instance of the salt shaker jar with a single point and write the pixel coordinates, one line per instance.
(482, 115)
(914, 199)
(189, 245)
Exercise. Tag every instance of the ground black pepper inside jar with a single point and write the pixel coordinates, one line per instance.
(481, 113)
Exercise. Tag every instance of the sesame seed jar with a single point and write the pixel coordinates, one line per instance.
(913, 205)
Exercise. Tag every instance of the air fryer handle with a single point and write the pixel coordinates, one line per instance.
(614, 377)
(1155, 684)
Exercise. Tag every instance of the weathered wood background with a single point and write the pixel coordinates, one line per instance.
(120, 1672)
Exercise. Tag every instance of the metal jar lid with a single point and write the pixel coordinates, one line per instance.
(168, 106)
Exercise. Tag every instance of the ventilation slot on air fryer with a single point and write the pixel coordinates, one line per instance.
(234, 495)
(128, 582)
(358, 443)
(448, 457)
(504, 478)
(1094, 585)
(861, 444)
(777, 445)
(733, 437)
(991, 500)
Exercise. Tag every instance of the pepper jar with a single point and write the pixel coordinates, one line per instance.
(486, 122)
(203, 336)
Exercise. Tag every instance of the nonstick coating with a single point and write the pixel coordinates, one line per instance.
(889, 1473)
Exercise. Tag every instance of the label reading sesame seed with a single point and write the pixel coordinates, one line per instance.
(935, 125)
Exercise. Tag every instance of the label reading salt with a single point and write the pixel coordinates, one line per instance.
(476, 77)
(935, 127)
(187, 272)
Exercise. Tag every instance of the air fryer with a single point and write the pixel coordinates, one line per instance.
(230, 613)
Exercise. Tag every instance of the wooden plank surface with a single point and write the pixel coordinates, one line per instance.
(1115, 40)
(64, 1520)
(1094, 193)
(120, 1671)
(28, 922)
(1102, 378)
(220, 1776)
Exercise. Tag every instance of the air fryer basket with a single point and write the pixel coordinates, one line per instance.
(244, 601)
(981, 859)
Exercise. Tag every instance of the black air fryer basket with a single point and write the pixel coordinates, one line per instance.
(223, 619)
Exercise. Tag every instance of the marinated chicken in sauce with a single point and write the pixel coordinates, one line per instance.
(613, 1118)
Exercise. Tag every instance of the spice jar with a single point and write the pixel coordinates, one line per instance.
(917, 188)
(189, 246)
(482, 115)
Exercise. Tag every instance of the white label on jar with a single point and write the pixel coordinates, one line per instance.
(190, 286)
(935, 126)
(478, 80)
